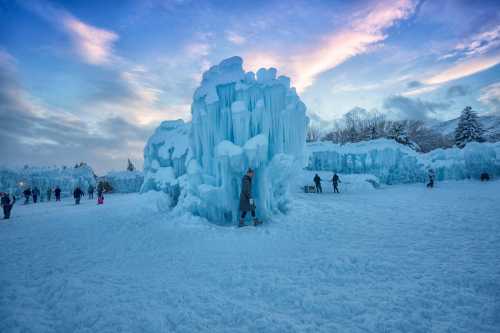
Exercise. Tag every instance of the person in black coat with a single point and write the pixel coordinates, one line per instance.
(35, 194)
(7, 204)
(317, 182)
(57, 192)
(247, 203)
(27, 195)
(77, 194)
(335, 183)
(49, 193)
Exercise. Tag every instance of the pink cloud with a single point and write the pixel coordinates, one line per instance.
(463, 69)
(94, 45)
(366, 30)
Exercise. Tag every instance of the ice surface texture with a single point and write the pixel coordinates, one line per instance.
(241, 121)
(394, 163)
(16, 180)
(165, 156)
(125, 181)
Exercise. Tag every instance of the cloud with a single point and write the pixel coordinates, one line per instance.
(92, 44)
(477, 44)
(414, 84)
(33, 133)
(457, 90)
(365, 31)
(464, 68)
(401, 107)
(235, 37)
(490, 96)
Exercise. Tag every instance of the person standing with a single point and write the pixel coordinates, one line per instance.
(57, 192)
(7, 204)
(317, 182)
(77, 194)
(27, 195)
(36, 193)
(335, 183)
(247, 203)
(432, 177)
(90, 192)
(49, 193)
(100, 194)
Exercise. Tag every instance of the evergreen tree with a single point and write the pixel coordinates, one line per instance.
(468, 129)
(130, 166)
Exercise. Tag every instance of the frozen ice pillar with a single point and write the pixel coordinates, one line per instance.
(241, 121)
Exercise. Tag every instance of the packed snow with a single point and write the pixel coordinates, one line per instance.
(240, 121)
(402, 258)
(394, 163)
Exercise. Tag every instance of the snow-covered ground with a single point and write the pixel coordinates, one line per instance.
(399, 259)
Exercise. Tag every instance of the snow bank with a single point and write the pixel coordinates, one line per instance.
(165, 155)
(239, 121)
(16, 180)
(125, 181)
(394, 163)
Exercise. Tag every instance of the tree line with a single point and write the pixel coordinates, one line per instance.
(357, 126)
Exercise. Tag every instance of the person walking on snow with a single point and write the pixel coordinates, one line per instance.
(90, 192)
(49, 193)
(77, 194)
(432, 176)
(247, 203)
(317, 182)
(36, 193)
(57, 192)
(27, 195)
(335, 182)
(7, 204)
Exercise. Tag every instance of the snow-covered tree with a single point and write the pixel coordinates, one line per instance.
(130, 166)
(468, 129)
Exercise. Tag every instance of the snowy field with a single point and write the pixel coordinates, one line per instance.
(398, 259)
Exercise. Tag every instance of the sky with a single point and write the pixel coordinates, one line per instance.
(91, 80)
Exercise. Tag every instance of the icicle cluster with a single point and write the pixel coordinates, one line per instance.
(240, 120)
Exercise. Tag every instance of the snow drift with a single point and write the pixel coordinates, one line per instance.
(240, 120)
(394, 163)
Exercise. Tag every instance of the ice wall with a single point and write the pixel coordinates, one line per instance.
(394, 163)
(125, 181)
(240, 120)
(16, 180)
(165, 156)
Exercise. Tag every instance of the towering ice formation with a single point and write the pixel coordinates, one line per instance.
(394, 163)
(165, 156)
(125, 181)
(241, 121)
(16, 180)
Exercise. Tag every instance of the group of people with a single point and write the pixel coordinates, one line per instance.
(335, 183)
(34, 194)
